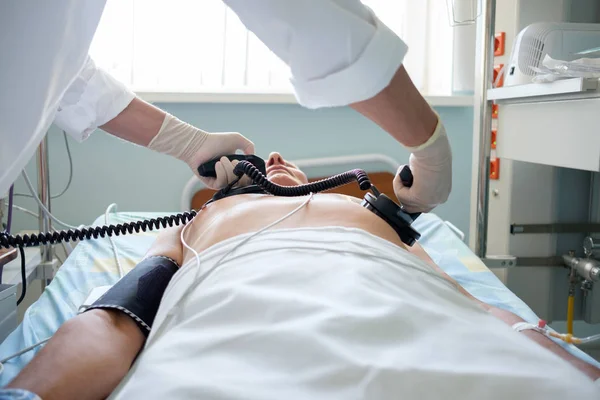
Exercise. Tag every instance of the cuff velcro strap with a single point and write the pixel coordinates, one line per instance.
(138, 293)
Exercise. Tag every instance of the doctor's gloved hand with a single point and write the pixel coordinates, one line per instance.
(224, 170)
(195, 146)
(431, 167)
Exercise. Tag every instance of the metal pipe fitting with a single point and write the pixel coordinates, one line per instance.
(588, 268)
(590, 246)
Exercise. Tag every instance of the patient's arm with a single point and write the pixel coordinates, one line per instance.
(547, 343)
(511, 319)
(86, 358)
(89, 354)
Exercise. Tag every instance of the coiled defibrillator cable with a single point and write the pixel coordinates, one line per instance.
(259, 179)
(8, 241)
(36, 239)
(198, 278)
(86, 233)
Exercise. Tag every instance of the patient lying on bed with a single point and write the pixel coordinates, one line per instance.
(328, 303)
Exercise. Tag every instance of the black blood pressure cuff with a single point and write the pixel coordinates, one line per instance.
(138, 293)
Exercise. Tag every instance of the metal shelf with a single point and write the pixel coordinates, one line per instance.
(550, 123)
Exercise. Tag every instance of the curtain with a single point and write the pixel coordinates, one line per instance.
(201, 46)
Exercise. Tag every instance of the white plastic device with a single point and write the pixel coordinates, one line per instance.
(559, 40)
(94, 295)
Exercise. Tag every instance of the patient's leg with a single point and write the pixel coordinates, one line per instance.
(86, 358)
(511, 319)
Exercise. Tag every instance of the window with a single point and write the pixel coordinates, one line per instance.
(193, 46)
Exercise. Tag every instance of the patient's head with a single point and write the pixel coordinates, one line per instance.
(283, 172)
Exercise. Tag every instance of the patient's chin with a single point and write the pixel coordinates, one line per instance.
(284, 179)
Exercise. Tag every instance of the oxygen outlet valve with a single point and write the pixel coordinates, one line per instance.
(587, 268)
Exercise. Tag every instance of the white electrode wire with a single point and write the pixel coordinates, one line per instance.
(196, 255)
(48, 213)
(66, 246)
(25, 210)
(199, 278)
(70, 158)
(240, 244)
(18, 353)
(112, 242)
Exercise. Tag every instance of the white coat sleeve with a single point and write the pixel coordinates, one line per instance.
(93, 99)
(338, 51)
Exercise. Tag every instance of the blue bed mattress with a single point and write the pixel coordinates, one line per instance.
(92, 264)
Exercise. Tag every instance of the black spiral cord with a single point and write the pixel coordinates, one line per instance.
(8, 241)
(245, 167)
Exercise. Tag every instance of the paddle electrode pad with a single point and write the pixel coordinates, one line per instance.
(379, 204)
(208, 168)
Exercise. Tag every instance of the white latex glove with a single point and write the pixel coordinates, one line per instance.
(224, 169)
(431, 167)
(195, 146)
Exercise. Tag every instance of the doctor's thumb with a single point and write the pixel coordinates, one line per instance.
(242, 143)
(408, 196)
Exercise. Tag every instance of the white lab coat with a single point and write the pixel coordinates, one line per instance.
(338, 51)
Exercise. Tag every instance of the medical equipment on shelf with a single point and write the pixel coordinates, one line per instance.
(553, 70)
(559, 40)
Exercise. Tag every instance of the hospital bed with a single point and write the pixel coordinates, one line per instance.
(92, 264)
